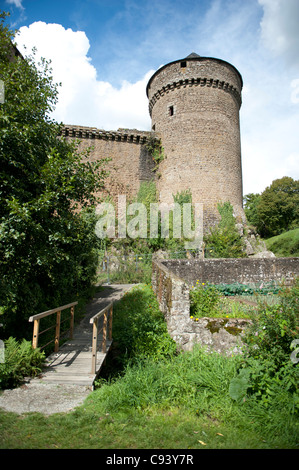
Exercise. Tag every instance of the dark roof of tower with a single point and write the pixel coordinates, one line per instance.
(194, 56)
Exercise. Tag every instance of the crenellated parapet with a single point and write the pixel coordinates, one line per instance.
(199, 81)
(121, 135)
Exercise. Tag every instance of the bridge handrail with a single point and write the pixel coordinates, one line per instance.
(95, 331)
(36, 319)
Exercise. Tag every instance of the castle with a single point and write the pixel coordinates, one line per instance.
(194, 105)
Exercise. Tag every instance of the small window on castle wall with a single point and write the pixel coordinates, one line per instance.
(183, 64)
(153, 127)
(171, 110)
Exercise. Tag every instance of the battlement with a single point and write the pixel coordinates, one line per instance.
(199, 81)
(121, 135)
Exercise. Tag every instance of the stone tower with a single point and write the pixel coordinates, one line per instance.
(194, 105)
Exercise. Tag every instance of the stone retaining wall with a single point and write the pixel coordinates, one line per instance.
(171, 281)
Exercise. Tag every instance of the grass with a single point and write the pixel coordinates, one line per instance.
(179, 401)
(284, 245)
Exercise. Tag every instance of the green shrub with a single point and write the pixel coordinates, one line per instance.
(267, 373)
(224, 240)
(274, 327)
(20, 360)
(204, 300)
(139, 328)
(244, 289)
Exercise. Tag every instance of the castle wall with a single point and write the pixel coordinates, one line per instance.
(194, 105)
(195, 109)
(130, 162)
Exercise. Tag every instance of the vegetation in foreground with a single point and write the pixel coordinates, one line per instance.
(159, 398)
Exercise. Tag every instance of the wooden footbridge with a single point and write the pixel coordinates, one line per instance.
(79, 360)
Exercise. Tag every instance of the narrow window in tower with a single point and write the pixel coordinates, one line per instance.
(153, 127)
(183, 64)
(170, 110)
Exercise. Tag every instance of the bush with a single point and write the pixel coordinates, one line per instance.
(224, 240)
(204, 300)
(274, 327)
(267, 373)
(243, 289)
(139, 328)
(21, 360)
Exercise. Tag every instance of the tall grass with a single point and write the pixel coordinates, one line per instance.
(197, 384)
(285, 244)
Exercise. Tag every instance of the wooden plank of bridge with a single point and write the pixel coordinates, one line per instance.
(72, 363)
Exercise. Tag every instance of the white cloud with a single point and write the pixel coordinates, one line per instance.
(295, 92)
(269, 113)
(279, 28)
(16, 3)
(83, 98)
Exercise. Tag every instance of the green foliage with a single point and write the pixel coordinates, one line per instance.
(21, 360)
(244, 289)
(139, 329)
(274, 327)
(156, 150)
(251, 202)
(224, 240)
(192, 380)
(48, 247)
(204, 300)
(147, 195)
(275, 210)
(133, 270)
(285, 244)
(267, 374)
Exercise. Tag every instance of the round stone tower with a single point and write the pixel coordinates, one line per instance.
(194, 105)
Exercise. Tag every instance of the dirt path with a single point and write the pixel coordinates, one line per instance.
(36, 396)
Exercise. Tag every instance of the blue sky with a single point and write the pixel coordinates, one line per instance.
(104, 52)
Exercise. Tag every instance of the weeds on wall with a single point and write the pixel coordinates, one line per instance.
(156, 150)
(224, 240)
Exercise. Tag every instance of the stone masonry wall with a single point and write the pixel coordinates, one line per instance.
(230, 270)
(195, 110)
(216, 334)
(171, 280)
(130, 163)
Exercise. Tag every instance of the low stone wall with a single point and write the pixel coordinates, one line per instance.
(171, 281)
(230, 270)
(221, 335)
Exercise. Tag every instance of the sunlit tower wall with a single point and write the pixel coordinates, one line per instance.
(194, 105)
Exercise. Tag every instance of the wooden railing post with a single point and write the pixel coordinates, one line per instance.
(105, 328)
(104, 332)
(94, 346)
(72, 322)
(57, 333)
(110, 323)
(36, 319)
(35, 334)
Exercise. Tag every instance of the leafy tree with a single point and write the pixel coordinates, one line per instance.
(251, 202)
(47, 189)
(278, 207)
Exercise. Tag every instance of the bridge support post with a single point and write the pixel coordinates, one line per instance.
(94, 346)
